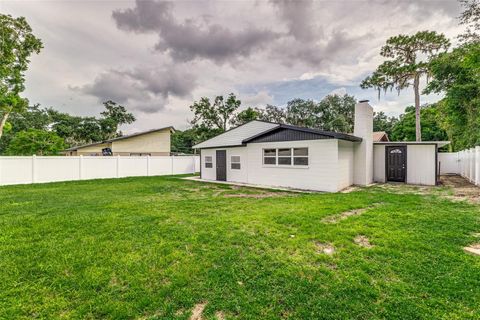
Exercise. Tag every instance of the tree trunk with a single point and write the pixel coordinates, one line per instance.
(418, 128)
(2, 122)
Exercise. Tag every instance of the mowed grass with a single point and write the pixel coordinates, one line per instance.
(153, 248)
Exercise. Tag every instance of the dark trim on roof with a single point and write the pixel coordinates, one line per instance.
(327, 134)
(172, 130)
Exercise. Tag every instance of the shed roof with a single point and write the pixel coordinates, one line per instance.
(172, 129)
(438, 143)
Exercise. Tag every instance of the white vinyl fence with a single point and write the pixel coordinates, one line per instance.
(465, 163)
(21, 170)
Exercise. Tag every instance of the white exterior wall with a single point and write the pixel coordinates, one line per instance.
(345, 164)
(330, 165)
(421, 164)
(379, 163)
(449, 162)
(320, 175)
(208, 173)
(237, 175)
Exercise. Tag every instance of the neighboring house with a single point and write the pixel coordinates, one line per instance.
(271, 154)
(380, 136)
(153, 143)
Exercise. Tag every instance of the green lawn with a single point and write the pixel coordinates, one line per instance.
(153, 248)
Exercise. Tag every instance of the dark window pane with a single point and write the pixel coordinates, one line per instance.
(284, 160)
(236, 166)
(269, 160)
(269, 152)
(208, 159)
(300, 152)
(300, 161)
(284, 152)
(208, 165)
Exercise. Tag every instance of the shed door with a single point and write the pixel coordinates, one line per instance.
(396, 163)
(221, 165)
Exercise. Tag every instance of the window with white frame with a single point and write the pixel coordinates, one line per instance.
(270, 156)
(208, 162)
(286, 157)
(235, 162)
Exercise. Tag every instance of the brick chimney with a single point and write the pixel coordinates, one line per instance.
(363, 154)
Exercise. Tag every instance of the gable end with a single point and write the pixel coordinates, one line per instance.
(283, 134)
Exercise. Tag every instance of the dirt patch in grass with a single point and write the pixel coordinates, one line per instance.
(344, 215)
(325, 248)
(362, 241)
(219, 315)
(462, 189)
(198, 311)
(256, 195)
(474, 248)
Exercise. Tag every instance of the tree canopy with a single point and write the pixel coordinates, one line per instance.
(457, 74)
(405, 67)
(17, 45)
(35, 142)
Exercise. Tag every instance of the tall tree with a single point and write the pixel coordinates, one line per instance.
(457, 75)
(406, 66)
(17, 45)
(245, 116)
(470, 18)
(114, 116)
(273, 114)
(216, 115)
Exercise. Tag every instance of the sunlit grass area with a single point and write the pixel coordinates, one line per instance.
(156, 247)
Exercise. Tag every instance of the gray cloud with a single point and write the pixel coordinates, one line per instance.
(143, 89)
(192, 38)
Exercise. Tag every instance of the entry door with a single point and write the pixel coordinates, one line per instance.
(396, 163)
(221, 165)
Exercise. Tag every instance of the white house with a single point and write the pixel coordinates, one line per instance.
(279, 155)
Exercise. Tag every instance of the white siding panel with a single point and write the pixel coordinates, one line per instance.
(379, 163)
(321, 174)
(209, 173)
(345, 164)
(235, 174)
(449, 163)
(421, 164)
(235, 136)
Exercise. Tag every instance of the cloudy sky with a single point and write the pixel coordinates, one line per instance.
(156, 57)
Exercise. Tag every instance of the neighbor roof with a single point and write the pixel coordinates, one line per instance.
(380, 136)
(243, 134)
(172, 129)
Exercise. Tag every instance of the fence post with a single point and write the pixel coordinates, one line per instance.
(477, 165)
(148, 165)
(80, 167)
(472, 164)
(194, 160)
(171, 164)
(118, 166)
(34, 168)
